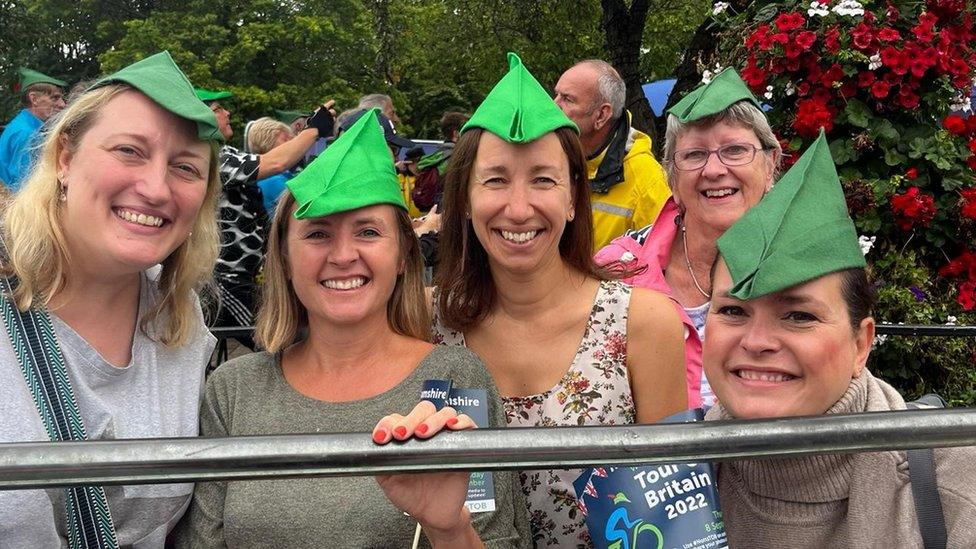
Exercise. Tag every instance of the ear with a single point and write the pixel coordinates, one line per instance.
(863, 341)
(64, 155)
(604, 114)
(771, 169)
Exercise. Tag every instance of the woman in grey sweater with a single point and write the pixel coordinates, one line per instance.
(789, 334)
(345, 323)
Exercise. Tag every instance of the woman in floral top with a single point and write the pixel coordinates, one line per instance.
(565, 344)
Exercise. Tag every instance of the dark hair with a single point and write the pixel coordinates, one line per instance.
(467, 291)
(37, 87)
(451, 122)
(859, 295)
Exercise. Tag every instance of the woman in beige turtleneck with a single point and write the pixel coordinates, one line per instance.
(802, 351)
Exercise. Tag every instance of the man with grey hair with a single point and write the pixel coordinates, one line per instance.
(627, 185)
(383, 102)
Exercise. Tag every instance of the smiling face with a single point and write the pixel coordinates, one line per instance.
(134, 184)
(520, 198)
(789, 353)
(343, 267)
(716, 195)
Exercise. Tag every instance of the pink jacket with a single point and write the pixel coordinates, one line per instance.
(652, 255)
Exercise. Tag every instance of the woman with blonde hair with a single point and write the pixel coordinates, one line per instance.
(106, 244)
(346, 327)
(262, 135)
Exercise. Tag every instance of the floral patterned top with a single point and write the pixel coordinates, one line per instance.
(594, 391)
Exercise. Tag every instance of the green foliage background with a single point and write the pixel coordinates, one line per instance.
(429, 55)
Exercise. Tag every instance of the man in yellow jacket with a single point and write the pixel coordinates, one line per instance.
(627, 185)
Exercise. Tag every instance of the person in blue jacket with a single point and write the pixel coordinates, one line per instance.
(42, 97)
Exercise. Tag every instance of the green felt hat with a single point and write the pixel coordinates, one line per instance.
(518, 109)
(212, 95)
(724, 89)
(158, 77)
(355, 171)
(29, 77)
(290, 116)
(799, 231)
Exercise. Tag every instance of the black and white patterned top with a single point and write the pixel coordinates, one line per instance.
(243, 220)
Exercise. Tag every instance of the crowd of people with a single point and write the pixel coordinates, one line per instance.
(541, 253)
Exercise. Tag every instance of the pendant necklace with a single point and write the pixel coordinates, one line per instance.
(684, 242)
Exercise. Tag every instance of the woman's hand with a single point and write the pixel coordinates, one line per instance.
(435, 500)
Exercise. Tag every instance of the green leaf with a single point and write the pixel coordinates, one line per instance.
(767, 13)
(841, 150)
(951, 183)
(894, 158)
(884, 129)
(858, 114)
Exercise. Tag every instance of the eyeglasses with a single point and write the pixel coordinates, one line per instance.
(733, 154)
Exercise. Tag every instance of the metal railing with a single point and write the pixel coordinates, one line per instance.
(46, 464)
(898, 330)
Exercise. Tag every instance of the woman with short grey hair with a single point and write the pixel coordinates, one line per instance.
(721, 157)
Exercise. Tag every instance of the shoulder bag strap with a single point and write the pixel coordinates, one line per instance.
(925, 492)
(32, 336)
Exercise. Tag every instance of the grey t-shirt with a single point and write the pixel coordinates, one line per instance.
(250, 396)
(156, 395)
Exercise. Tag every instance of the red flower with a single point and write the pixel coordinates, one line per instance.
(888, 34)
(792, 50)
(811, 115)
(880, 89)
(806, 39)
(912, 173)
(832, 40)
(786, 22)
(865, 79)
(967, 296)
(897, 60)
(803, 89)
(907, 98)
(759, 38)
(913, 207)
(971, 162)
(954, 124)
(753, 75)
(780, 38)
(972, 145)
(968, 209)
(862, 36)
(834, 74)
(923, 33)
(848, 89)
(927, 19)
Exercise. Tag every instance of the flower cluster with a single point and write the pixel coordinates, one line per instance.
(888, 60)
(963, 267)
(912, 208)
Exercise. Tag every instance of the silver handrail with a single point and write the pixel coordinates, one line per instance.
(142, 461)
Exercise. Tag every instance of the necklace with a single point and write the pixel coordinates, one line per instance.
(684, 243)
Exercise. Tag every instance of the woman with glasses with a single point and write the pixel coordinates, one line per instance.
(721, 158)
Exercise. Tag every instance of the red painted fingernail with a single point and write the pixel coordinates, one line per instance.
(452, 422)
(400, 432)
(421, 429)
(379, 436)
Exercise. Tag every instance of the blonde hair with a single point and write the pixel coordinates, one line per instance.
(263, 132)
(282, 317)
(38, 247)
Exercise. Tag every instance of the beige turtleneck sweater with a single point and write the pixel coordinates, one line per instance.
(857, 500)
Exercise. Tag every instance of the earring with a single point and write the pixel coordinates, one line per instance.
(571, 216)
(62, 195)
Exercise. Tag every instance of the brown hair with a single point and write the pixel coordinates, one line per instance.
(466, 289)
(282, 317)
(43, 88)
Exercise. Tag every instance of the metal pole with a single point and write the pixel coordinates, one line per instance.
(45, 464)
